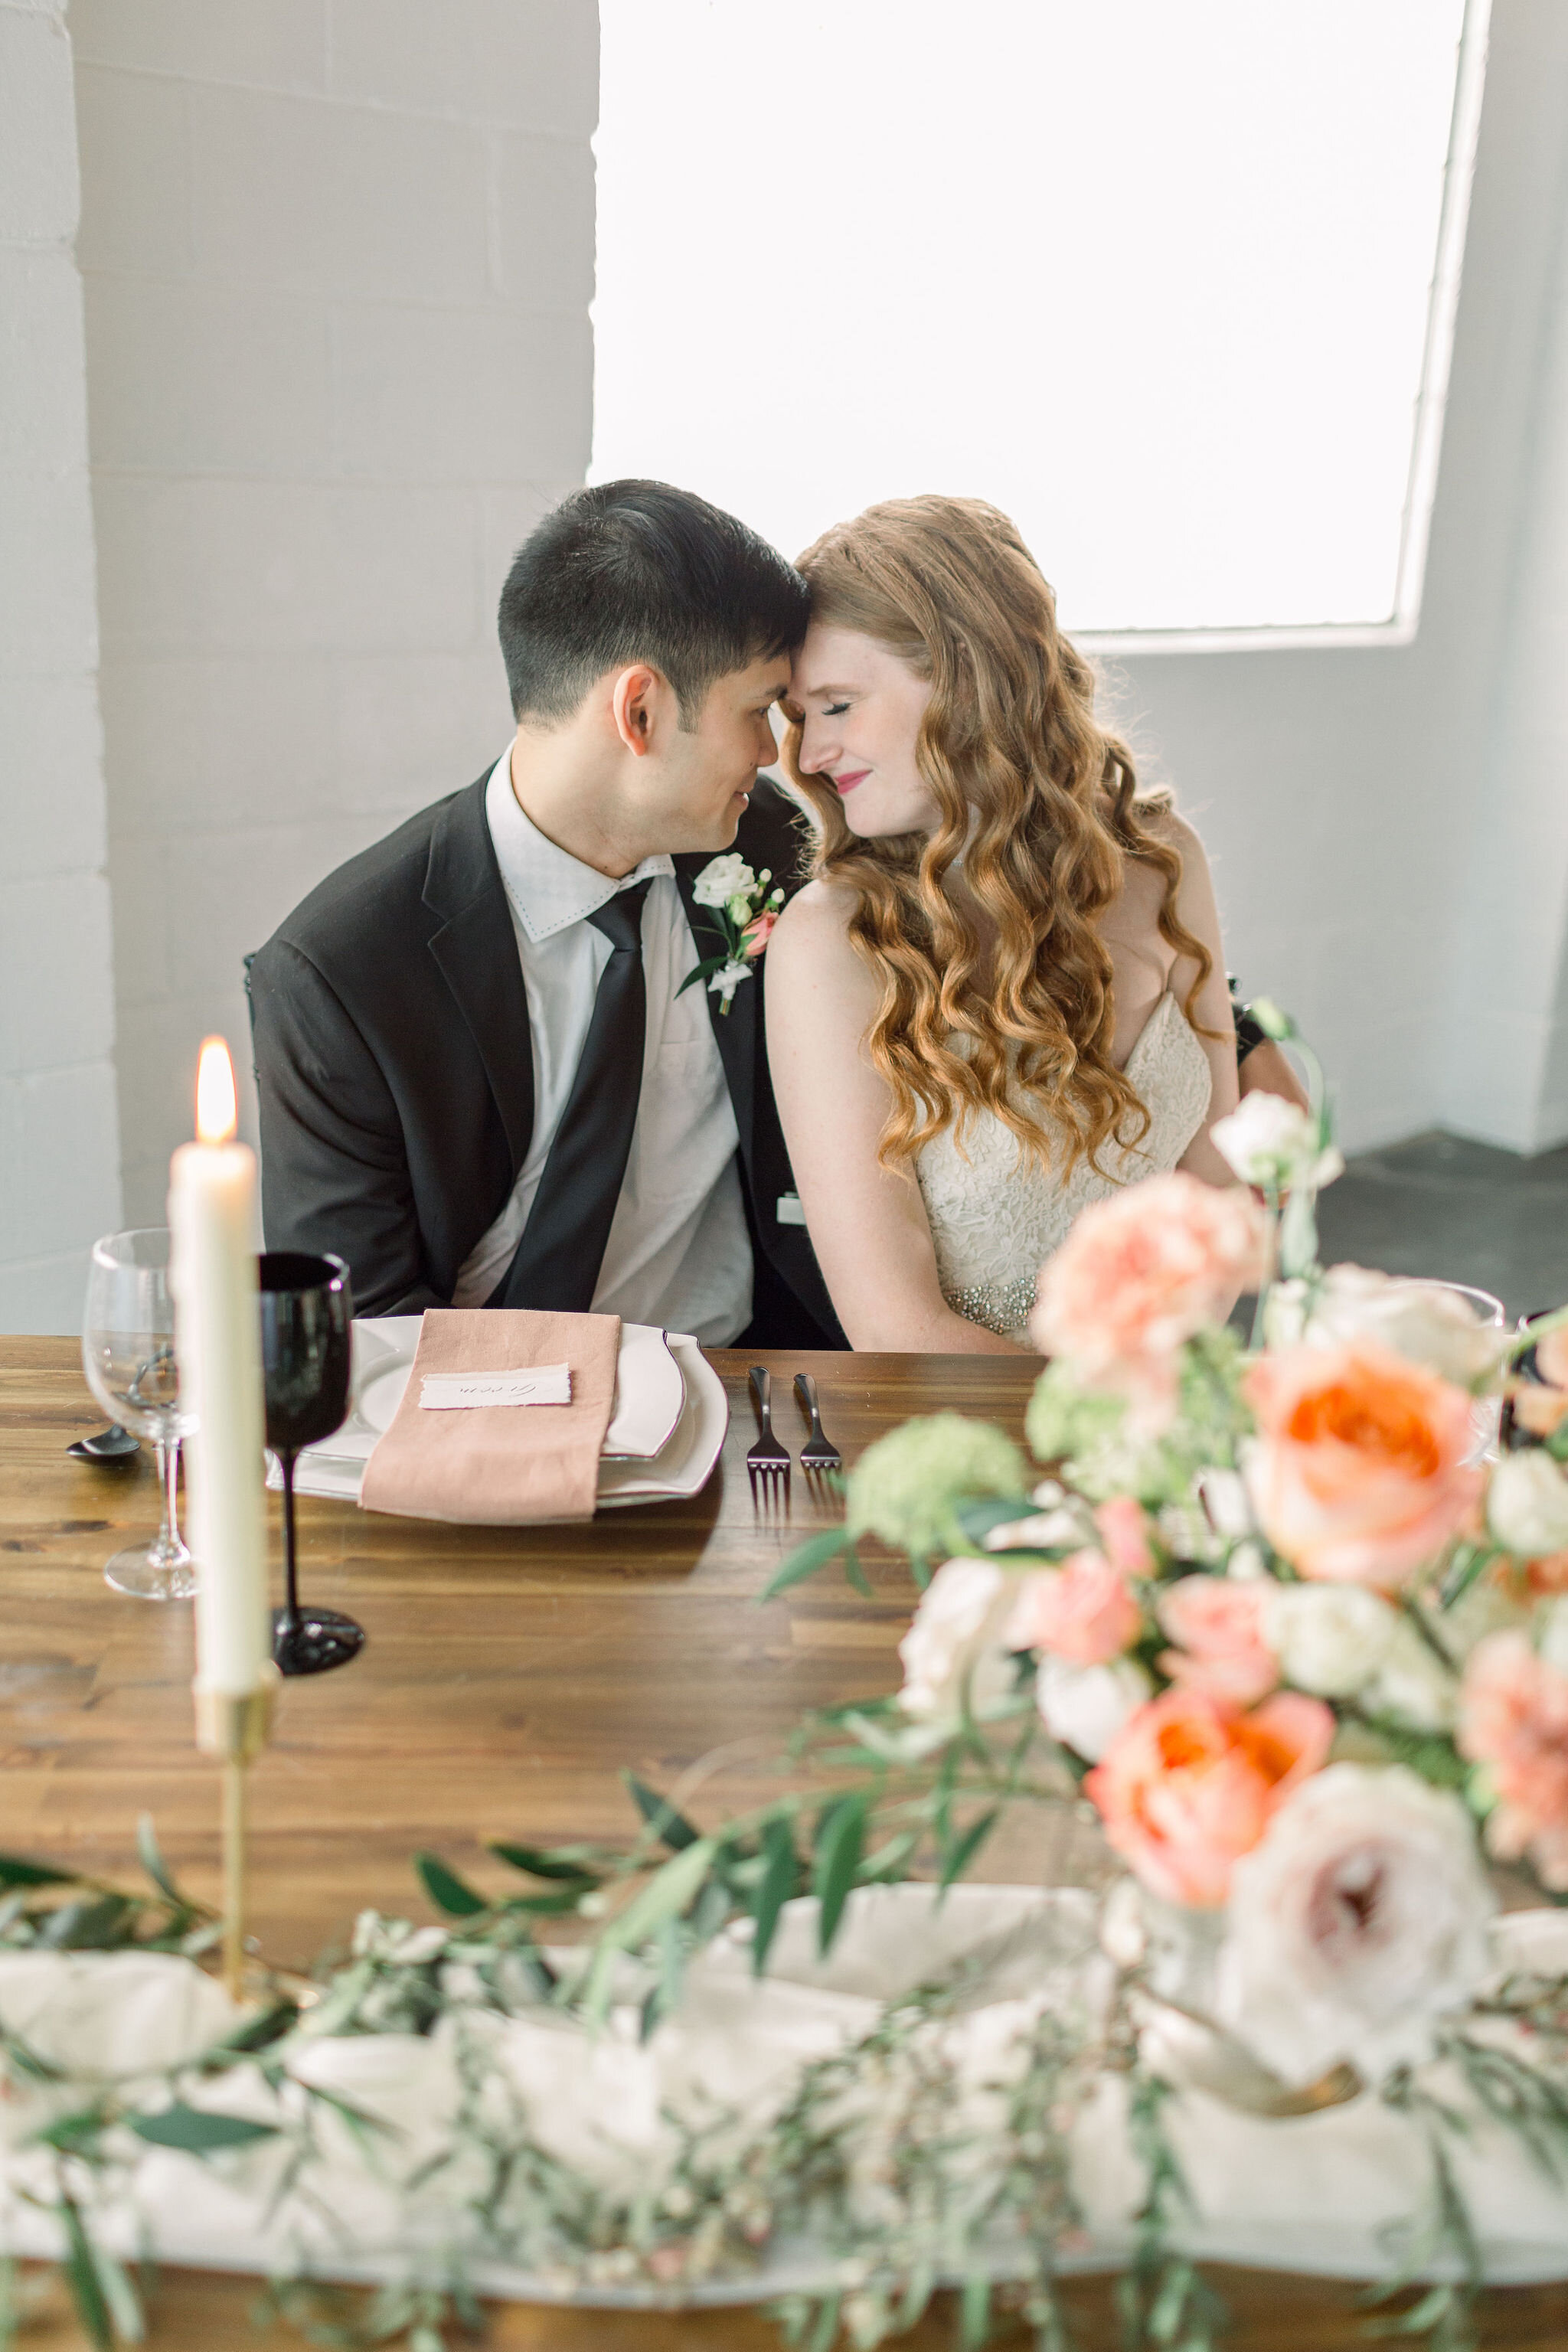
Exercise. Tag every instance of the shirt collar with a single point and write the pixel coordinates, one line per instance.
(548, 888)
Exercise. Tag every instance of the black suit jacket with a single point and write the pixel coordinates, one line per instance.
(396, 1079)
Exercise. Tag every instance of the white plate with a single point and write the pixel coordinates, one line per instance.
(383, 1355)
(686, 1463)
(650, 1394)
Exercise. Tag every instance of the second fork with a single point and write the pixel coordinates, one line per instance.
(818, 1454)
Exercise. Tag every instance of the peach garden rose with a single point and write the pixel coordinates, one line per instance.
(1082, 1612)
(1514, 1721)
(1190, 1784)
(1219, 1626)
(1139, 1273)
(1358, 1475)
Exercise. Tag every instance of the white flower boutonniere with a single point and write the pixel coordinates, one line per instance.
(744, 912)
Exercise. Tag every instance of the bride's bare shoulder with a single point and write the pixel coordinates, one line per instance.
(1159, 817)
(816, 921)
(813, 963)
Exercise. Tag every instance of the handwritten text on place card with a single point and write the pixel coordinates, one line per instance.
(531, 1384)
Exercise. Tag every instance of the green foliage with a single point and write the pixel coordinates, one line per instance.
(666, 1824)
(961, 1851)
(663, 1896)
(1429, 1753)
(906, 1487)
(780, 1880)
(538, 1862)
(447, 1890)
(98, 1923)
(976, 1520)
(82, 2277)
(831, 1543)
(15, 1872)
(840, 1843)
(199, 2131)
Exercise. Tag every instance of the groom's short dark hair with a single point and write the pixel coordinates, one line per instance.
(630, 572)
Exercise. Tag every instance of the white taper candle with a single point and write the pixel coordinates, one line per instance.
(218, 1337)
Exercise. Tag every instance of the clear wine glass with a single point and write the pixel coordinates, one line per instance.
(1486, 1411)
(128, 1355)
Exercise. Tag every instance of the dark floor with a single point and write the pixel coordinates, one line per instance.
(1464, 1212)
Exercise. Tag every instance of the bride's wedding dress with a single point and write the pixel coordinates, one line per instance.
(997, 1215)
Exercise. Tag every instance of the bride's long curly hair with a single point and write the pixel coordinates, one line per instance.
(1041, 805)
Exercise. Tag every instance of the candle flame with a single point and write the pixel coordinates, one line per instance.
(216, 1113)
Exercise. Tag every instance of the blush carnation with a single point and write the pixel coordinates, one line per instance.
(1359, 1472)
(1513, 1720)
(1081, 1612)
(1219, 1626)
(1139, 1273)
(1190, 1785)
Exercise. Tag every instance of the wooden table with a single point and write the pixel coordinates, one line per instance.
(508, 1676)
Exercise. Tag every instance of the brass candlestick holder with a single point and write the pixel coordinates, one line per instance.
(235, 1730)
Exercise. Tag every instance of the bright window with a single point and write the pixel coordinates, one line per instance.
(1169, 281)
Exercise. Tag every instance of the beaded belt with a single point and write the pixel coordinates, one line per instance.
(1000, 1307)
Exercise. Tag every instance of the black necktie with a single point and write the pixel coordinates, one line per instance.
(562, 1245)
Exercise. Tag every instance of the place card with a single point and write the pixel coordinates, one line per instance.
(463, 1391)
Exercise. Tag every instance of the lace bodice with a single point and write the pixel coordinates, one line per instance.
(995, 1215)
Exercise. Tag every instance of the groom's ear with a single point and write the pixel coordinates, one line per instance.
(633, 705)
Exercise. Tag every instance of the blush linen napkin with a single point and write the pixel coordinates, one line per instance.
(500, 1466)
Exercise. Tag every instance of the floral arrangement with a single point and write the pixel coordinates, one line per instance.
(744, 911)
(1289, 1620)
(1305, 1643)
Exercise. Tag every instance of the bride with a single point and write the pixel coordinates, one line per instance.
(1002, 995)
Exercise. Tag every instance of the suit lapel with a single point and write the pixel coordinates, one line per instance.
(738, 1032)
(476, 950)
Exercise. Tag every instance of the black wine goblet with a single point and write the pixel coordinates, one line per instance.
(307, 1315)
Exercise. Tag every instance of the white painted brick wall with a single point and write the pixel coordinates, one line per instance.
(338, 256)
(59, 1161)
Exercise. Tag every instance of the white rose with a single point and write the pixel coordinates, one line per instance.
(1426, 1322)
(1270, 1142)
(1329, 1639)
(1086, 1706)
(957, 1640)
(1358, 1920)
(1412, 1684)
(723, 878)
(1527, 1504)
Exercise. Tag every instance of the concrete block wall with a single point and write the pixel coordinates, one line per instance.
(59, 1161)
(338, 256)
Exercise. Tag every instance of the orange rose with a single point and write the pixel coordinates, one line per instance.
(1359, 1473)
(1190, 1784)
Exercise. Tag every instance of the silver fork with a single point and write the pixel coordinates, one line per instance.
(767, 1463)
(818, 1453)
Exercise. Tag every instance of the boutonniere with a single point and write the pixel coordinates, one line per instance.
(744, 912)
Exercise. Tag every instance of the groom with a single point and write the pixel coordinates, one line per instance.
(481, 1079)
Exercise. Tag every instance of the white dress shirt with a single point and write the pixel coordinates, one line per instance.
(677, 1254)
